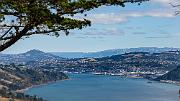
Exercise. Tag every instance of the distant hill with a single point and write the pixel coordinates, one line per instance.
(70, 54)
(32, 55)
(37, 55)
(111, 52)
(144, 62)
(173, 75)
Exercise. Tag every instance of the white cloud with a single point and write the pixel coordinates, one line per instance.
(114, 18)
(165, 11)
(162, 1)
(166, 3)
(110, 18)
(99, 33)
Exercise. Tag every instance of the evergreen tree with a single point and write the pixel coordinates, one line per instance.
(22, 18)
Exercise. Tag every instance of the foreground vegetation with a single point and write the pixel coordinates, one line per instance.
(7, 99)
(47, 17)
(15, 78)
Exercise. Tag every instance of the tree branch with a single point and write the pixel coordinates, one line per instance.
(38, 12)
(15, 38)
(6, 33)
(80, 9)
(32, 33)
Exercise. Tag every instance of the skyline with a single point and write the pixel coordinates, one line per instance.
(152, 24)
(173, 49)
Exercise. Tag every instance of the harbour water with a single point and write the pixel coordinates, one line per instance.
(88, 87)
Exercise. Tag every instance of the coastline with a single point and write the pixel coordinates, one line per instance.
(59, 91)
(43, 84)
(177, 83)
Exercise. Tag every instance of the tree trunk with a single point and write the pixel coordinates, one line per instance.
(14, 39)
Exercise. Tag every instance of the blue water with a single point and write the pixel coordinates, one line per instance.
(87, 87)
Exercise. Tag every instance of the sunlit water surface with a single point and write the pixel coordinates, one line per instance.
(88, 87)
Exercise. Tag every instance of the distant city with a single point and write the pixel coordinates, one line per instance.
(20, 71)
(145, 62)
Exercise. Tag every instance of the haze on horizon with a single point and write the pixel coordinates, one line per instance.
(152, 24)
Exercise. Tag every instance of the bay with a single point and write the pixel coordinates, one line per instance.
(88, 87)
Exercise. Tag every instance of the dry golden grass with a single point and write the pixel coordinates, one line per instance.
(6, 99)
(3, 99)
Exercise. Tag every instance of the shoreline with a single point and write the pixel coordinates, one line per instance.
(44, 84)
(53, 88)
(177, 83)
(34, 86)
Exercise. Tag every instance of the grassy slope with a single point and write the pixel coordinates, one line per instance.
(6, 99)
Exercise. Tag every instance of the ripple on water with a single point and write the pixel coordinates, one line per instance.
(87, 87)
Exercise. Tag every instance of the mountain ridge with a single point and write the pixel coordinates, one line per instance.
(111, 52)
(32, 55)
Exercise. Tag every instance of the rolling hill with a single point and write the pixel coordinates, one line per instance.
(32, 55)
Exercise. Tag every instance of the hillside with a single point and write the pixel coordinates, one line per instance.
(173, 75)
(7, 99)
(134, 64)
(14, 78)
(139, 62)
(20, 77)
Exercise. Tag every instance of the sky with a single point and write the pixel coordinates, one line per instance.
(151, 24)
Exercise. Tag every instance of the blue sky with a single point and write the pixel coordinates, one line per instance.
(152, 24)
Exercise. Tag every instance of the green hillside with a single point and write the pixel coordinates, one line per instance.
(173, 75)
